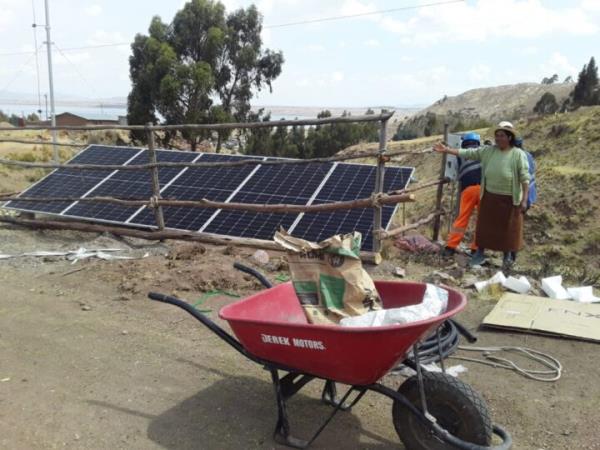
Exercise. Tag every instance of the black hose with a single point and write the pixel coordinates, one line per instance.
(255, 273)
(431, 351)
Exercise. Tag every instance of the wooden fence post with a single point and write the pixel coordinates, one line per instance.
(440, 190)
(158, 211)
(379, 177)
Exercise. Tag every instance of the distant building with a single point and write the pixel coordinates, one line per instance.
(68, 119)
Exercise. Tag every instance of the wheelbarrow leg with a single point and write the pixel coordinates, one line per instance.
(282, 429)
(329, 397)
(286, 387)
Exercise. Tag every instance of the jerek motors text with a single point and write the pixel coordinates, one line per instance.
(292, 342)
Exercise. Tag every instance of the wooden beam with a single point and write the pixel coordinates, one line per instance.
(188, 236)
(216, 126)
(396, 231)
(440, 190)
(241, 162)
(22, 141)
(204, 203)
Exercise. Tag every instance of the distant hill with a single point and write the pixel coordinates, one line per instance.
(479, 108)
(499, 102)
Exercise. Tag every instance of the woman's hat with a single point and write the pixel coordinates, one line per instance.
(506, 127)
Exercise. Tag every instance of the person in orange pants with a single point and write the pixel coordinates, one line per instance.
(469, 177)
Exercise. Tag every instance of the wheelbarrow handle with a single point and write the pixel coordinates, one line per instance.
(212, 326)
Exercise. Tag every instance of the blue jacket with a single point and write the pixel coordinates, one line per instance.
(532, 196)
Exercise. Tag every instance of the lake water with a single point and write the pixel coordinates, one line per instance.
(89, 111)
(25, 110)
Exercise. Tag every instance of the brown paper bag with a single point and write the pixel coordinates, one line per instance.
(328, 277)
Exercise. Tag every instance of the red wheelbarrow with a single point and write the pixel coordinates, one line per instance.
(430, 410)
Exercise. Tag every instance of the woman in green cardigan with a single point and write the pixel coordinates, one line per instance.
(504, 180)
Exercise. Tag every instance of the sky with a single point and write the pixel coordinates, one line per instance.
(410, 57)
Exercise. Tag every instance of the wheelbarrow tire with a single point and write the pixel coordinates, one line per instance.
(454, 404)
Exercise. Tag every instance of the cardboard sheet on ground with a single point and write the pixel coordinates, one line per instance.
(546, 316)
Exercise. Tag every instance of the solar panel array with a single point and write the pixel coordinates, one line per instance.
(253, 183)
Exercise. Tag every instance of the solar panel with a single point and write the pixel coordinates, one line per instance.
(349, 182)
(132, 184)
(73, 183)
(253, 183)
(284, 183)
(212, 183)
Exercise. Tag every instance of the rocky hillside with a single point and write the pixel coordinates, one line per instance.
(479, 108)
(496, 103)
(561, 231)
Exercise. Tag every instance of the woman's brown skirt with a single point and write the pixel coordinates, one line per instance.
(499, 224)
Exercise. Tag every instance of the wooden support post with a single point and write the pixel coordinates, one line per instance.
(379, 177)
(158, 211)
(440, 190)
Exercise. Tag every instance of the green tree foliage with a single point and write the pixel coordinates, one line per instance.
(13, 119)
(203, 67)
(311, 142)
(550, 80)
(547, 104)
(430, 124)
(587, 90)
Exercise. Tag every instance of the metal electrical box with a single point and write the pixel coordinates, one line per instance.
(454, 141)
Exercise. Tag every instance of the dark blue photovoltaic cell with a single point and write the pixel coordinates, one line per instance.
(56, 185)
(349, 182)
(212, 183)
(73, 183)
(97, 154)
(165, 174)
(130, 185)
(179, 218)
(289, 184)
(109, 211)
(257, 184)
(250, 224)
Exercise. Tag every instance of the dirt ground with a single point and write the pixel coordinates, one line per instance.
(88, 362)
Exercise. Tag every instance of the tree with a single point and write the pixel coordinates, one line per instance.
(547, 104)
(203, 67)
(551, 80)
(586, 91)
(568, 79)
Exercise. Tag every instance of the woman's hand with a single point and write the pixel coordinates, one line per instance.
(523, 207)
(440, 148)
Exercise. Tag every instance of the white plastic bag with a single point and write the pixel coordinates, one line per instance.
(435, 302)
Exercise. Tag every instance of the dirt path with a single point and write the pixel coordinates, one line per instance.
(86, 362)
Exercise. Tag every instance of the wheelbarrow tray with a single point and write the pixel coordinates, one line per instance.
(272, 326)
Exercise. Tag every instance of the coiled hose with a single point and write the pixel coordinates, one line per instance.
(440, 344)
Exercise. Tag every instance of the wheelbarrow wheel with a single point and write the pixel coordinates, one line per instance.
(454, 404)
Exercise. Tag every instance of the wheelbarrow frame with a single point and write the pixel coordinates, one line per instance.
(293, 380)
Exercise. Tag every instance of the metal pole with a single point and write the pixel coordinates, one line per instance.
(158, 211)
(440, 189)
(51, 82)
(379, 177)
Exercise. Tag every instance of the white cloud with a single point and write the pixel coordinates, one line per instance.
(73, 58)
(559, 64)
(372, 43)
(529, 50)
(483, 19)
(267, 36)
(93, 10)
(479, 72)
(591, 5)
(337, 76)
(315, 48)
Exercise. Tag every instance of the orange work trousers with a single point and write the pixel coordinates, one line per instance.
(469, 202)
